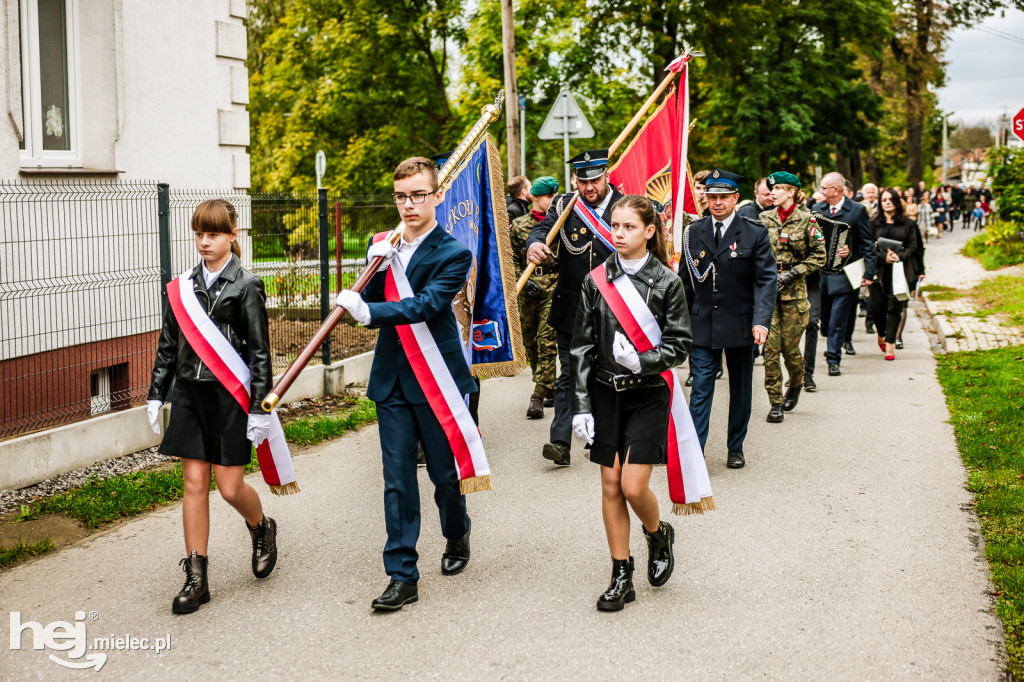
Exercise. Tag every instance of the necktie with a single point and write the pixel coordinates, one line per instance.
(834, 209)
(718, 233)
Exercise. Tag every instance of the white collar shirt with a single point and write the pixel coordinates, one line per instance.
(725, 223)
(211, 277)
(837, 208)
(407, 249)
(631, 267)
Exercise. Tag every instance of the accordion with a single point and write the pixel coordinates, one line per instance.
(836, 234)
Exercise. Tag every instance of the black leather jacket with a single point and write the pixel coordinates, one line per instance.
(591, 354)
(237, 305)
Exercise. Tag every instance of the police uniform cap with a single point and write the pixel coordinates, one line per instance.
(722, 182)
(783, 178)
(590, 164)
(544, 186)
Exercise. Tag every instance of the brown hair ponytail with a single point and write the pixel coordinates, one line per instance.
(648, 214)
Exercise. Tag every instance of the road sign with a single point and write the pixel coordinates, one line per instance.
(321, 167)
(565, 110)
(1018, 124)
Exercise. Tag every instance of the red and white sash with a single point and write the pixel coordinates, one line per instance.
(688, 483)
(443, 395)
(217, 353)
(596, 224)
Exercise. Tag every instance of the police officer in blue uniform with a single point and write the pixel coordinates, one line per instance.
(729, 275)
(579, 252)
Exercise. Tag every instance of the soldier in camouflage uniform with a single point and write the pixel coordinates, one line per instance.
(799, 248)
(535, 300)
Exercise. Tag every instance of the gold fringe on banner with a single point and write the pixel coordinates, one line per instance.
(286, 489)
(508, 274)
(705, 504)
(475, 484)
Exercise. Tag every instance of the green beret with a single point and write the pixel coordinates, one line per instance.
(544, 186)
(783, 178)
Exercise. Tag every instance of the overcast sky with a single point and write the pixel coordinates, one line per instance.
(985, 76)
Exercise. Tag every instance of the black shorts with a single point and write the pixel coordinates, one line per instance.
(633, 421)
(206, 423)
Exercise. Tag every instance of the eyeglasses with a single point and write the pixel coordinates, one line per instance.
(417, 198)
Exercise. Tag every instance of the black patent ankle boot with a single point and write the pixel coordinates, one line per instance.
(196, 590)
(264, 547)
(620, 592)
(660, 560)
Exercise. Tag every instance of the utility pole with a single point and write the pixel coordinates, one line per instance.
(945, 149)
(512, 128)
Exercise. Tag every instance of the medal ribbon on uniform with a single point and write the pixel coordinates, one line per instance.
(689, 486)
(443, 395)
(217, 353)
(596, 224)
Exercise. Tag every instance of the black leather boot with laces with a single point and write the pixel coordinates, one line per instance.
(264, 547)
(196, 590)
(620, 592)
(660, 560)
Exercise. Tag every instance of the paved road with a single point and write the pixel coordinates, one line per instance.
(842, 551)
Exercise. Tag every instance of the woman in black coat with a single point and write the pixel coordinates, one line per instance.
(885, 309)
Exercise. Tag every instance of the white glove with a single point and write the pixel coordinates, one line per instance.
(625, 354)
(385, 250)
(153, 414)
(583, 426)
(355, 305)
(258, 428)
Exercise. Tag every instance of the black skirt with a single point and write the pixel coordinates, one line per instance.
(206, 423)
(633, 421)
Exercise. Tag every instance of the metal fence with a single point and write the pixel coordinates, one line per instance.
(82, 268)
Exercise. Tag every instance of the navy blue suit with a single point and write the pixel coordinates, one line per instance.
(436, 272)
(838, 297)
(723, 311)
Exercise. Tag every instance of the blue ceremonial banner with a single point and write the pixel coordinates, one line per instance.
(473, 211)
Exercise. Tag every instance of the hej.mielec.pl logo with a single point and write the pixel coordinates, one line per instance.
(71, 637)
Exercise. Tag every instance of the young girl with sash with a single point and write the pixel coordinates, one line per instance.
(214, 346)
(621, 403)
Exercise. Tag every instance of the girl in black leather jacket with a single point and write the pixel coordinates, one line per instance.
(208, 429)
(621, 403)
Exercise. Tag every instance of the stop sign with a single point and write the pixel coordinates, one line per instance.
(1018, 124)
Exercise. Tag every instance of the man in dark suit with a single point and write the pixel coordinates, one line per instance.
(436, 265)
(579, 252)
(730, 283)
(838, 297)
(762, 202)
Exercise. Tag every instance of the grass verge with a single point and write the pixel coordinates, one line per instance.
(999, 245)
(985, 394)
(19, 551)
(1004, 294)
(104, 501)
(938, 292)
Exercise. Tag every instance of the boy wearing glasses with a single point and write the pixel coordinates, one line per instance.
(436, 266)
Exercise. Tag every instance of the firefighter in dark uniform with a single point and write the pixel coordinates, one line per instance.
(579, 252)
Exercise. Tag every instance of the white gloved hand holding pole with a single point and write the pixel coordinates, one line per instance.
(583, 426)
(382, 249)
(258, 428)
(355, 305)
(153, 414)
(625, 354)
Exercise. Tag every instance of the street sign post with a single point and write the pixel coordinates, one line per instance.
(1018, 125)
(565, 120)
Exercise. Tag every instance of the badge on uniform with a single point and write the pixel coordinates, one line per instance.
(783, 238)
(701, 254)
(696, 262)
(583, 230)
(732, 254)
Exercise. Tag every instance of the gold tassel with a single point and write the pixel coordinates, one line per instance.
(475, 484)
(286, 489)
(705, 504)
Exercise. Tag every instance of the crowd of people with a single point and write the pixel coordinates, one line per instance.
(940, 208)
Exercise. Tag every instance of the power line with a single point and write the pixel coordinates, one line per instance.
(1000, 34)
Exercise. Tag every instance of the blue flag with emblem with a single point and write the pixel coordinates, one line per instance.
(486, 309)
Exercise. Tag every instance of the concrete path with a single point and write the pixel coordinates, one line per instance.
(843, 551)
(955, 323)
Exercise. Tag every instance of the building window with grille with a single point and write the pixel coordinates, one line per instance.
(50, 93)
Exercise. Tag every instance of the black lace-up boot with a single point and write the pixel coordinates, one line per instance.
(620, 592)
(264, 547)
(660, 560)
(196, 590)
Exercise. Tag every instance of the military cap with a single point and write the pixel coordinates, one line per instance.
(544, 186)
(439, 159)
(590, 164)
(722, 182)
(783, 178)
